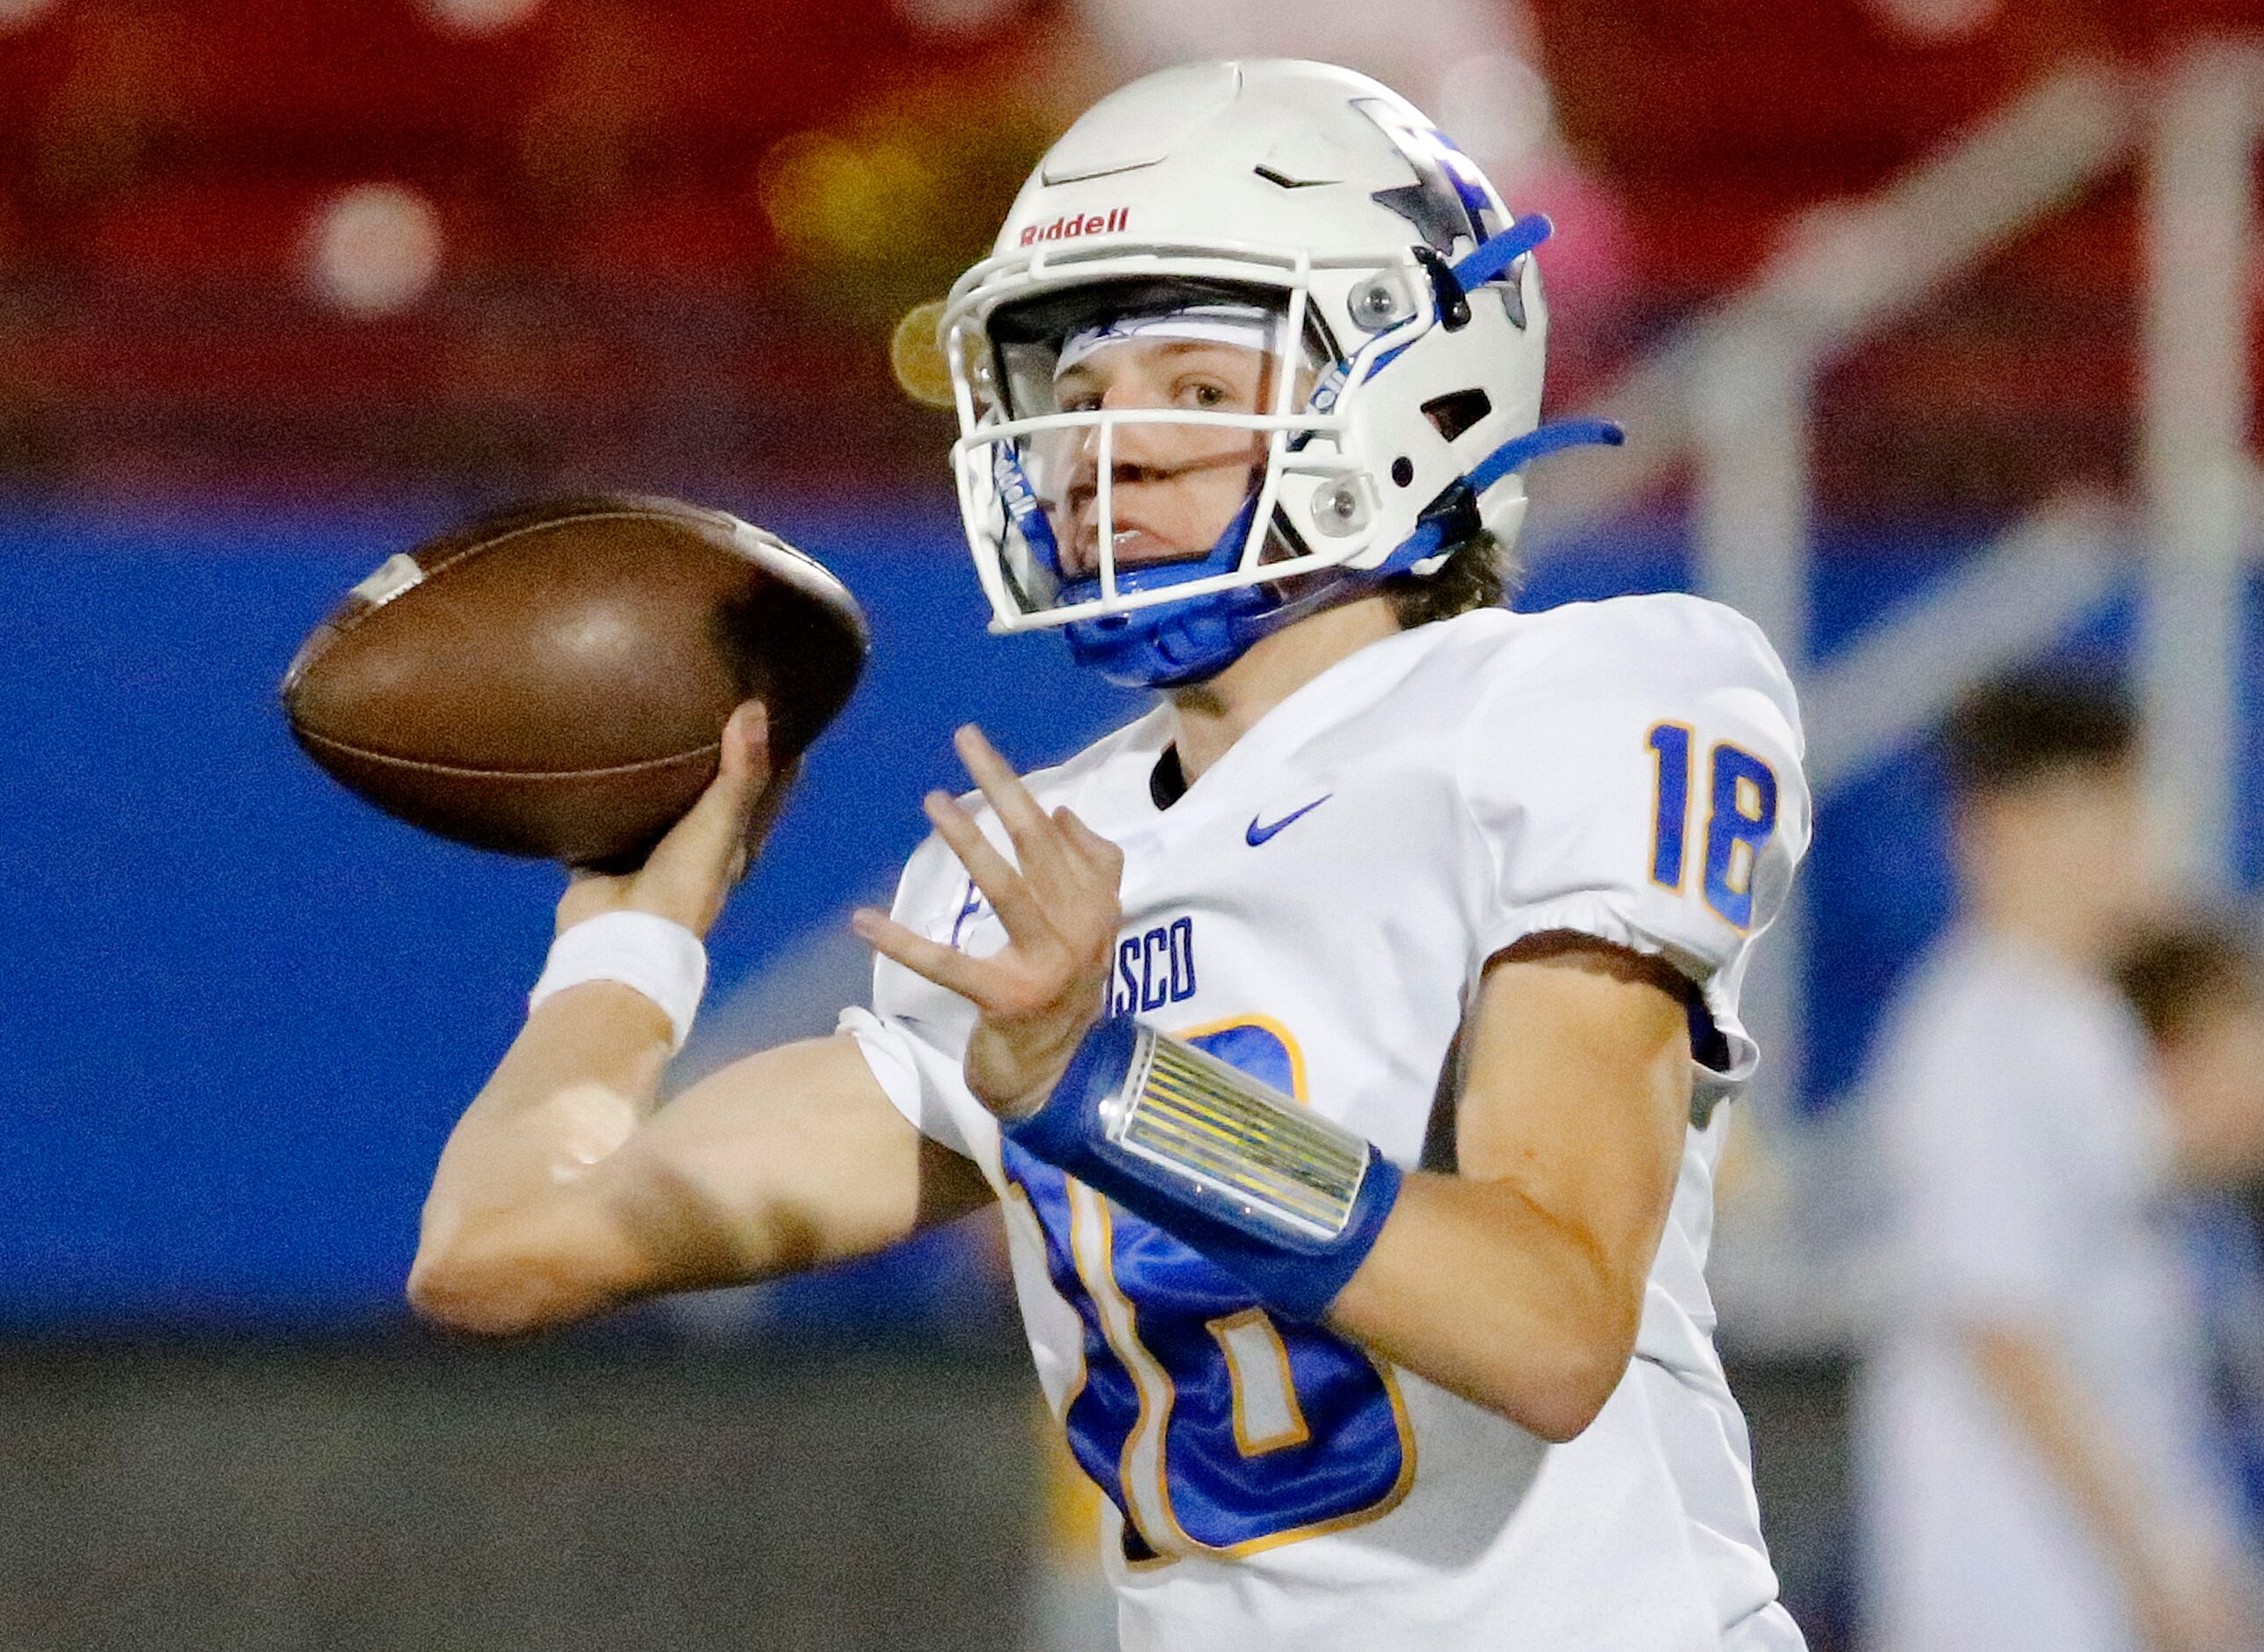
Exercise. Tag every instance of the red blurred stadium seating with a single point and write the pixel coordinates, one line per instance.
(596, 171)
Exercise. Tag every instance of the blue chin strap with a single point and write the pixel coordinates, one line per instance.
(1174, 642)
(1186, 641)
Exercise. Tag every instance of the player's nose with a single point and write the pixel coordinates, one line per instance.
(1134, 451)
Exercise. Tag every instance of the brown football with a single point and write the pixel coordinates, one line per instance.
(553, 680)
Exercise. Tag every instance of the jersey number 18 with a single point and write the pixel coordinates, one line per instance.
(1740, 817)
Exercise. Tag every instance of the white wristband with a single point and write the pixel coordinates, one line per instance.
(652, 955)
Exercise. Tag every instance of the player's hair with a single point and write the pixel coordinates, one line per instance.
(1479, 574)
(2176, 970)
(2012, 729)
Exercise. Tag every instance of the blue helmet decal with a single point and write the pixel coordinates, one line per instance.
(1450, 197)
(1022, 509)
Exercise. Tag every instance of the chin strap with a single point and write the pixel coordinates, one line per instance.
(1456, 515)
(1539, 443)
(1170, 643)
(1452, 284)
(1498, 253)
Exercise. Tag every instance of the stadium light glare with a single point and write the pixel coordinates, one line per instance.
(833, 198)
(1937, 22)
(1498, 109)
(956, 17)
(376, 249)
(476, 16)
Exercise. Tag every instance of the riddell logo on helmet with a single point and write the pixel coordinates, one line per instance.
(1077, 224)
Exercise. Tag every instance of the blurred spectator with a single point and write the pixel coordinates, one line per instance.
(2199, 990)
(2198, 987)
(2031, 1438)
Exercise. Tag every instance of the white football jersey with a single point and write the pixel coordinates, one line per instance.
(1317, 909)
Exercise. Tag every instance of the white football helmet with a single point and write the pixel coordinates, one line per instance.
(1299, 206)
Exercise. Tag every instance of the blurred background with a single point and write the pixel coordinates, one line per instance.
(1933, 327)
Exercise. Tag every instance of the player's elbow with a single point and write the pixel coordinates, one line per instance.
(1581, 1386)
(1552, 1381)
(1560, 1389)
(485, 1290)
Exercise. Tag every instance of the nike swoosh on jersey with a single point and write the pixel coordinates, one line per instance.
(1258, 833)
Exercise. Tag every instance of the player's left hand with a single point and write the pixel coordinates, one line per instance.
(1041, 993)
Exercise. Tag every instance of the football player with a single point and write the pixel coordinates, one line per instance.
(1346, 1038)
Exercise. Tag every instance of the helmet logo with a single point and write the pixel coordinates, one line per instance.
(1450, 198)
(1076, 223)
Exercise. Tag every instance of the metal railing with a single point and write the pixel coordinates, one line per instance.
(1731, 396)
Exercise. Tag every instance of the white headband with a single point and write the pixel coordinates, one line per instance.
(1245, 324)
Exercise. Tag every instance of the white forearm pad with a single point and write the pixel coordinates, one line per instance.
(653, 955)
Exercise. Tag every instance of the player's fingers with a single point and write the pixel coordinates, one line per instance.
(712, 828)
(770, 803)
(691, 871)
(1010, 897)
(947, 967)
(746, 754)
(1098, 909)
(1037, 840)
(1089, 917)
(991, 870)
(1101, 853)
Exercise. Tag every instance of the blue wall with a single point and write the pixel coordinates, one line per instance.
(243, 1009)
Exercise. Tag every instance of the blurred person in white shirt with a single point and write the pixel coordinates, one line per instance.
(2033, 1449)
(2198, 986)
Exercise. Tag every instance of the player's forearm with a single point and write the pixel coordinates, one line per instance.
(559, 1199)
(1479, 1289)
(1518, 1283)
(575, 1085)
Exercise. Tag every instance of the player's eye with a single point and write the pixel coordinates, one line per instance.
(1206, 393)
(1081, 401)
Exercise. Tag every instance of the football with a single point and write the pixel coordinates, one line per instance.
(553, 681)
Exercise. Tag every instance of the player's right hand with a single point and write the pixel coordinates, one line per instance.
(1058, 902)
(690, 871)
